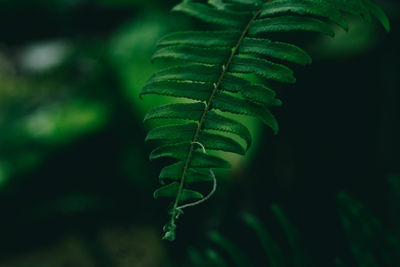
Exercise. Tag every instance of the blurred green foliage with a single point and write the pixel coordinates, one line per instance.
(76, 185)
(371, 244)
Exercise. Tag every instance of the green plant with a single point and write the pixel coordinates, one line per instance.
(272, 254)
(226, 71)
(370, 240)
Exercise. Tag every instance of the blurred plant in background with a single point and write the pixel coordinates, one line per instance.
(371, 243)
(76, 185)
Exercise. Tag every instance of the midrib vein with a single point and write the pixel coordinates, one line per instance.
(204, 115)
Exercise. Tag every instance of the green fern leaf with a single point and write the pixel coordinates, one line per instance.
(187, 72)
(216, 69)
(191, 53)
(261, 95)
(290, 23)
(212, 15)
(172, 133)
(277, 50)
(378, 13)
(236, 7)
(187, 111)
(194, 175)
(219, 142)
(233, 83)
(180, 150)
(203, 38)
(263, 68)
(187, 89)
(252, 3)
(217, 122)
(235, 105)
(211, 141)
(355, 7)
(303, 8)
(172, 189)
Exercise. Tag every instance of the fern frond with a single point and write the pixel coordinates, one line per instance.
(213, 70)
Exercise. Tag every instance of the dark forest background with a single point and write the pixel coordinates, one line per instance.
(75, 180)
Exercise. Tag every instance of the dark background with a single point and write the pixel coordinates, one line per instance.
(76, 184)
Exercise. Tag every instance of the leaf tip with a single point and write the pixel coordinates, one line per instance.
(385, 23)
(178, 7)
(308, 60)
(169, 230)
(155, 195)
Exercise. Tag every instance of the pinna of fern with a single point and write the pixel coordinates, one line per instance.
(213, 73)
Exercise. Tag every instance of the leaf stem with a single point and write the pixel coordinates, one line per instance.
(214, 188)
